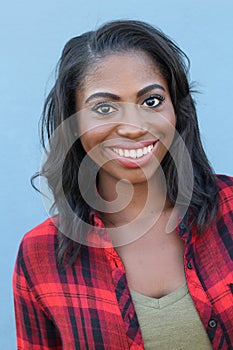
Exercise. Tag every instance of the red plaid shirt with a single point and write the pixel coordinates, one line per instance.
(88, 305)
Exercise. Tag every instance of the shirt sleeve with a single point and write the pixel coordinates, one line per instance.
(34, 328)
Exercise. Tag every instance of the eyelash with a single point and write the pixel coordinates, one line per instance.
(156, 96)
(109, 105)
(103, 104)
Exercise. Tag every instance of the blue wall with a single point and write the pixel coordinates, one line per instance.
(32, 36)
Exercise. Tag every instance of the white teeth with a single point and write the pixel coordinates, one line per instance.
(133, 153)
(150, 148)
(139, 153)
(126, 153)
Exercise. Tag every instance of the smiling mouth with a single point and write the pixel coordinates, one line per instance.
(134, 153)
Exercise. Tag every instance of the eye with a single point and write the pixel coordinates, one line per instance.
(104, 108)
(153, 101)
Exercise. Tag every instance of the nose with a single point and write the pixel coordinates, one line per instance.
(130, 131)
(132, 125)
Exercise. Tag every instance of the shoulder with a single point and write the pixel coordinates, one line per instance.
(225, 190)
(225, 210)
(41, 234)
(225, 183)
(39, 244)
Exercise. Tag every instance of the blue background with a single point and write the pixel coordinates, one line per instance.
(32, 36)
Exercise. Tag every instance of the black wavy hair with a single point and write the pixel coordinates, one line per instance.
(77, 59)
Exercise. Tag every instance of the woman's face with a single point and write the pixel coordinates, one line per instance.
(125, 116)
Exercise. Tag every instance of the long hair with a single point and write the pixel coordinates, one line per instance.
(76, 61)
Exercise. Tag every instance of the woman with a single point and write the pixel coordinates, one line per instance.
(139, 254)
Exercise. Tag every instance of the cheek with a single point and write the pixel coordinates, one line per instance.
(93, 139)
(165, 124)
(170, 119)
(165, 128)
(91, 146)
(170, 114)
(88, 141)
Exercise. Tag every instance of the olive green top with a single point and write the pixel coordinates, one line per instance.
(170, 322)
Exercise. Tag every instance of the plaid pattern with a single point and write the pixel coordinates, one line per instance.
(88, 305)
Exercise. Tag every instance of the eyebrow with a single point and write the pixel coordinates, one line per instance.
(149, 88)
(103, 94)
(117, 98)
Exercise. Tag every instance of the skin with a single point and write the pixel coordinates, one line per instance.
(136, 107)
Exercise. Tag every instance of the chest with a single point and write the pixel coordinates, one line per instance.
(159, 326)
(154, 265)
(94, 293)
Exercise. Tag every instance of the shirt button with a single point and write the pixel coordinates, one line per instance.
(190, 266)
(182, 226)
(212, 323)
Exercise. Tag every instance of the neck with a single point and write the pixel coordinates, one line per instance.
(125, 201)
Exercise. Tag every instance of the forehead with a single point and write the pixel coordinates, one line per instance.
(121, 69)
